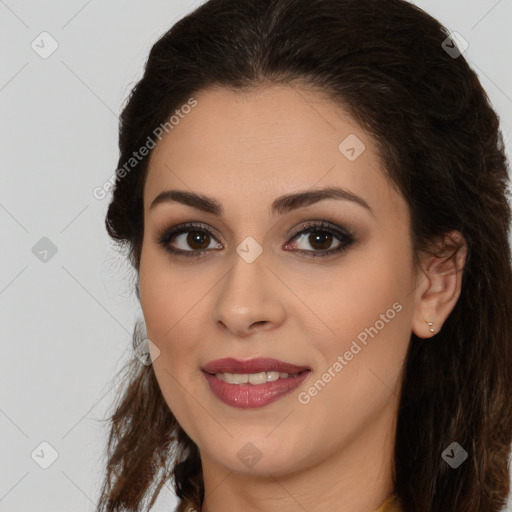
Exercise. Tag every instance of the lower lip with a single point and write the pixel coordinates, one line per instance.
(248, 396)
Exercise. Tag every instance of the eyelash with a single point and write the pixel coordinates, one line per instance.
(346, 237)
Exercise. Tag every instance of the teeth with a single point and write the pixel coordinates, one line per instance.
(253, 378)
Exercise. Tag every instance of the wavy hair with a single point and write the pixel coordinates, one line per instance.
(439, 138)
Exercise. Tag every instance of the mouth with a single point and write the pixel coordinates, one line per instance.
(253, 383)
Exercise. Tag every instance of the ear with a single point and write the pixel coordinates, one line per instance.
(438, 285)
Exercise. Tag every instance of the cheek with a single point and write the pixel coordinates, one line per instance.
(366, 306)
(169, 294)
(352, 296)
(359, 367)
(171, 308)
(170, 303)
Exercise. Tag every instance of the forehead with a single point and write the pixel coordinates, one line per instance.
(248, 147)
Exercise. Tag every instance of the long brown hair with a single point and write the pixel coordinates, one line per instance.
(387, 64)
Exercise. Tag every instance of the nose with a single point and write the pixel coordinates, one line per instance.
(249, 299)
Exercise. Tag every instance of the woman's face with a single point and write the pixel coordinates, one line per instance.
(262, 287)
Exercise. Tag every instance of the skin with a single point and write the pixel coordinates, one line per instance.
(245, 149)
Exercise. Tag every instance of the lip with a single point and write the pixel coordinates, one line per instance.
(257, 365)
(249, 396)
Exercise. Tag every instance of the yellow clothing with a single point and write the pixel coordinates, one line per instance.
(390, 505)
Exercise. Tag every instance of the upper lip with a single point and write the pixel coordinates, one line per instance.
(260, 364)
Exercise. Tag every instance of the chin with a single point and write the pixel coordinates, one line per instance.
(259, 456)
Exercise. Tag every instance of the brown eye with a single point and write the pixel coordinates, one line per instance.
(191, 241)
(198, 240)
(188, 240)
(317, 237)
(320, 240)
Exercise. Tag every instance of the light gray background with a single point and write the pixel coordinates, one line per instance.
(67, 322)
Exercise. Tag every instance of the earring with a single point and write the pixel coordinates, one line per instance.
(431, 329)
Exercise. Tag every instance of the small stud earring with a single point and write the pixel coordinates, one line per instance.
(431, 329)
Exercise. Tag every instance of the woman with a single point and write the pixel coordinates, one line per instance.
(313, 195)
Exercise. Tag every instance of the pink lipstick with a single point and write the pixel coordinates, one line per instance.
(285, 377)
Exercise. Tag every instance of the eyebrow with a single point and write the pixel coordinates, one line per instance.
(280, 206)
